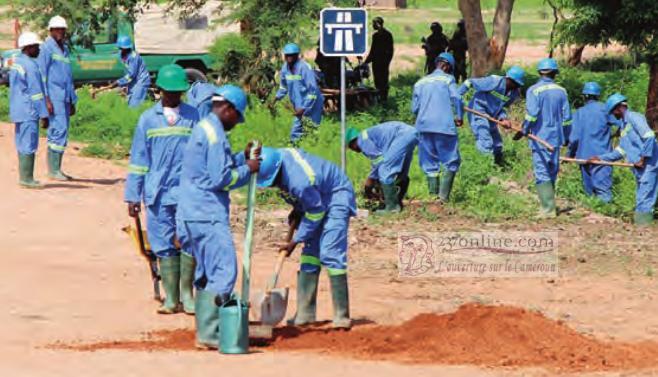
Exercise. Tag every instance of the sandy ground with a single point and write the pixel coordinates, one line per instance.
(70, 275)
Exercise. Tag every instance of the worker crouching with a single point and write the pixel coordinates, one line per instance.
(323, 202)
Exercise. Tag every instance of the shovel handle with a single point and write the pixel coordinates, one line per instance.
(498, 122)
(281, 258)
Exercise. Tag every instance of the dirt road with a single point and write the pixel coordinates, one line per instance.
(70, 275)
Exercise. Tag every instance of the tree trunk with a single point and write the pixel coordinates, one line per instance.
(502, 27)
(652, 96)
(576, 55)
(486, 54)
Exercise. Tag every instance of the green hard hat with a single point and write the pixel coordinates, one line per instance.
(172, 78)
(351, 134)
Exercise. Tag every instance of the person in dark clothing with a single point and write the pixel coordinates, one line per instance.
(458, 47)
(381, 54)
(330, 68)
(433, 45)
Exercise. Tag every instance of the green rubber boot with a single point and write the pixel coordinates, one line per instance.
(391, 200)
(307, 295)
(643, 218)
(447, 178)
(187, 266)
(26, 172)
(55, 166)
(546, 194)
(433, 185)
(170, 272)
(341, 300)
(206, 315)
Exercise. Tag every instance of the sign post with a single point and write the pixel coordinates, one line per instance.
(344, 33)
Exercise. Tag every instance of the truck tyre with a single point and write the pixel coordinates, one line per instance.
(194, 75)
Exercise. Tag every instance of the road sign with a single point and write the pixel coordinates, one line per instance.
(344, 31)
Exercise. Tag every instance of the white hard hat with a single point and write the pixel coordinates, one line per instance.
(28, 39)
(57, 22)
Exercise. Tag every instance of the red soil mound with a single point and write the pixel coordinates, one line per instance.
(491, 336)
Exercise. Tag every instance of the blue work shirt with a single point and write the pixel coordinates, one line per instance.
(375, 141)
(490, 95)
(637, 140)
(200, 96)
(26, 92)
(156, 155)
(300, 85)
(55, 66)
(436, 103)
(209, 172)
(313, 186)
(136, 72)
(547, 112)
(590, 133)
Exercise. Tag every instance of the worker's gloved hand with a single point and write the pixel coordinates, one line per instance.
(459, 122)
(72, 110)
(518, 135)
(49, 106)
(134, 209)
(640, 164)
(295, 217)
(45, 123)
(289, 247)
(299, 113)
(247, 150)
(593, 159)
(254, 165)
(506, 123)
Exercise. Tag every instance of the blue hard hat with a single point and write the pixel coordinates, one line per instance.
(235, 96)
(124, 42)
(445, 57)
(613, 101)
(290, 49)
(269, 166)
(592, 88)
(516, 73)
(547, 64)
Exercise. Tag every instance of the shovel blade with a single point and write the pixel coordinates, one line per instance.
(270, 309)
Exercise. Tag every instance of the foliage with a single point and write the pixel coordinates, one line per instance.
(230, 52)
(630, 22)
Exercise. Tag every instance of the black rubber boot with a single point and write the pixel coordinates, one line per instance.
(403, 187)
(341, 300)
(307, 295)
(499, 159)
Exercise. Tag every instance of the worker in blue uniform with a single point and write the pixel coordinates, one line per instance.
(390, 148)
(209, 172)
(637, 145)
(55, 65)
(591, 136)
(323, 202)
(439, 111)
(27, 105)
(156, 158)
(492, 95)
(547, 113)
(299, 83)
(136, 79)
(200, 96)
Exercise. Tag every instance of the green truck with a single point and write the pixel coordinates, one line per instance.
(158, 39)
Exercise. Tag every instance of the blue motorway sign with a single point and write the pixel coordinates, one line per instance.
(344, 31)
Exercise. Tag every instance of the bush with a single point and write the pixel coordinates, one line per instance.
(230, 53)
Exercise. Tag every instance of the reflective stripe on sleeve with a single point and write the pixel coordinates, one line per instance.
(209, 130)
(530, 118)
(567, 123)
(314, 216)
(501, 97)
(304, 164)
(649, 134)
(621, 151)
(61, 58)
(234, 178)
(37, 97)
(137, 169)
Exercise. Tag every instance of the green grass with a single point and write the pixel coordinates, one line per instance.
(531, 19)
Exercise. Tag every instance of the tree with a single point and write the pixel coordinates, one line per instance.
(486, 53)
(629, 22)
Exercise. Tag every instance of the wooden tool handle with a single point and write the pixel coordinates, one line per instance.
(600, 162)
(543, 142)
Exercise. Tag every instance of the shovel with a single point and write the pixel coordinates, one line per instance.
(270, 306)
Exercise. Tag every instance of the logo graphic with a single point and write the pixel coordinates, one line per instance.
(416, 255)
(343, 31)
